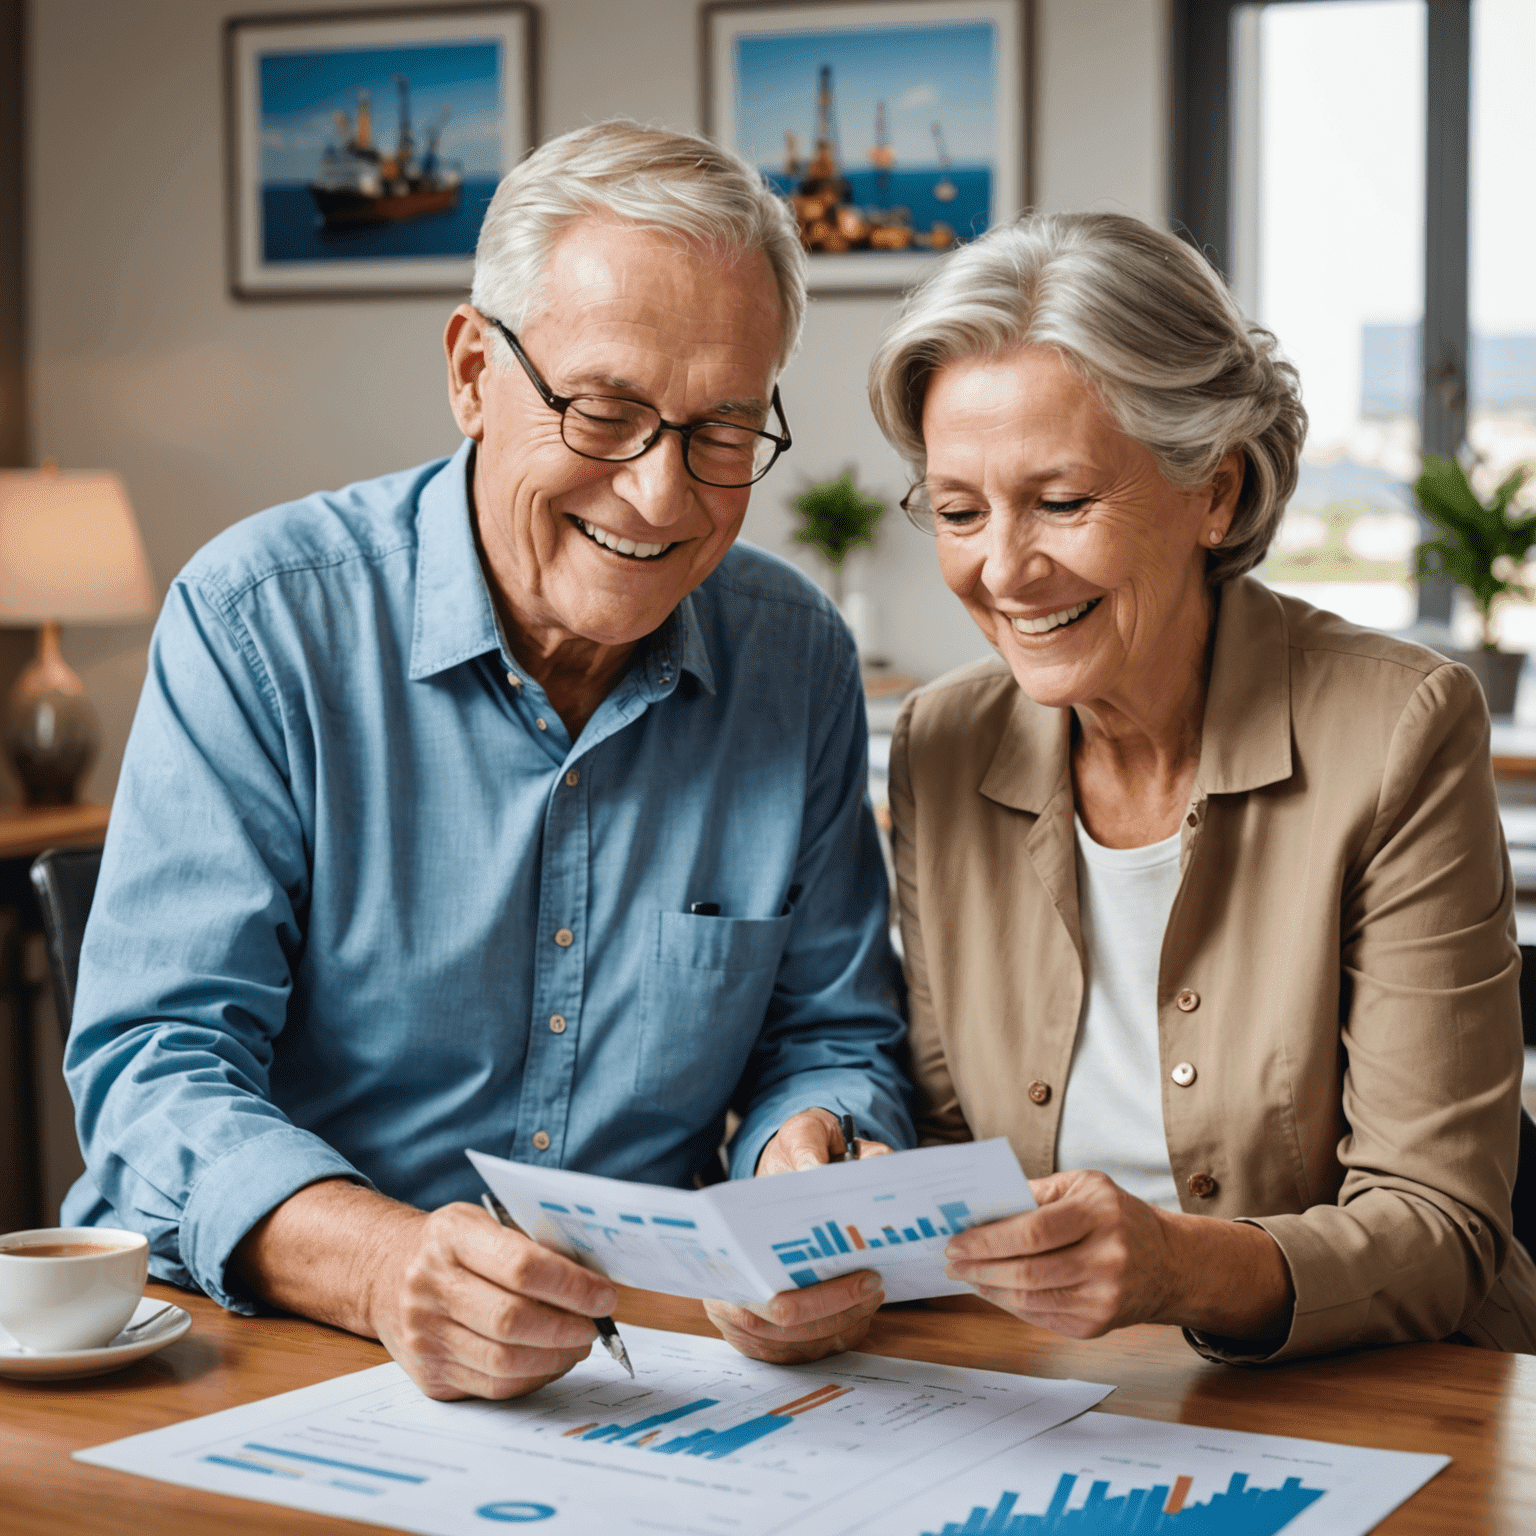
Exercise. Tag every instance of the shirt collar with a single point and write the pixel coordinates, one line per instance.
(456, 618)
(678, 646)
(1245, 740)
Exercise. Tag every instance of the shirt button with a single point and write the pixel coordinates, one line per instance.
(1184, 1074)
(573, 778)
(565, 938)
(557, 1023)
(1187, 1001)
(514, 679)
(540, 723)
(1192, 820)
(1039, 1093)
(666, 679)
(541, 1140)
(1201, 1185)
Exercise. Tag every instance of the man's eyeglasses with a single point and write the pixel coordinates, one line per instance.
(615, 430)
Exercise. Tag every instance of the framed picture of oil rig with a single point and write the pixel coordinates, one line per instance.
(895, 129)
(363, 146)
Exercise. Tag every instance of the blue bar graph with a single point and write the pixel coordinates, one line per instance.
(1239, 1511)
(833, 1239)
(711, 1444)
(617, 1432)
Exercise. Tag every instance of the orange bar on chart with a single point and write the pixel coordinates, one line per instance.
(1176, 1498)
(858, 1242)
(810, 1400)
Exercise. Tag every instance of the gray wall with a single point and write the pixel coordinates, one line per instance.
(210, 409)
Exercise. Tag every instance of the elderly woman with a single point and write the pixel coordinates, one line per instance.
(1203, 892)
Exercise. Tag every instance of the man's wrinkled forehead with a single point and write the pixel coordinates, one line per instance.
(621, 297)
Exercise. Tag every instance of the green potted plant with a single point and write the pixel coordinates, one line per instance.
(1483, 547)
(835, 518)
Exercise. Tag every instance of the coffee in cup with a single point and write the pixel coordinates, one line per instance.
(65, 1288)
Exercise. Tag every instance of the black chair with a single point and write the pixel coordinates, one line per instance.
(1522, 1198)
(65, 881)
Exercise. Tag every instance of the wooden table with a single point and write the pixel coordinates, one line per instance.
(1475, 1406)
(26, 830)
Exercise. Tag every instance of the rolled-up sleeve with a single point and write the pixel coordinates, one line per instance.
(187, 963)
(834, 1031)
(1420, 1230)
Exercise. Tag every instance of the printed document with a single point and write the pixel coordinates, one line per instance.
(1104, 1474)
(705, 1440)
(749, 1239)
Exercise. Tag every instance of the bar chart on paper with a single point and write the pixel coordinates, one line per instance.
(704, 1440)
(749, 1239)
(827, 1239)
(615, 1240)
(1106, 1475)
(1237, 1511)
(652, 1432)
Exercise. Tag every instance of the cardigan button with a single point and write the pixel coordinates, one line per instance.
(541, 1140)
(1184, 1074)
(1202, 1186)
(1039, 1093)
(1187, 1001)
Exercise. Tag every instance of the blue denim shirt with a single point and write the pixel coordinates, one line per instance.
(365, 904)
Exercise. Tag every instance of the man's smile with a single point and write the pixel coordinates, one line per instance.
(630, 549)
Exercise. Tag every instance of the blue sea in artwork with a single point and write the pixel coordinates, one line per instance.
(968, 215)
(292, 230)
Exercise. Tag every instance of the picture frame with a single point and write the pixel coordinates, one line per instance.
(930, 139)
(362, 146)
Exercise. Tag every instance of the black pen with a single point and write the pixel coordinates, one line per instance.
(607, 1329)
(850, 1141)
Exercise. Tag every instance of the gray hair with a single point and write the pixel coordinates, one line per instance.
(650, 177)
(1144, 317)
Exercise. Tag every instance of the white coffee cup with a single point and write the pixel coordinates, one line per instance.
(52, 1302)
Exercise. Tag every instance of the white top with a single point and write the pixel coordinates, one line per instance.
(1112, 1117)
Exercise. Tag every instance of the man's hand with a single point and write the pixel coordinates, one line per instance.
(803, 1325)
(808, 1140)
(468, 1308)
(1093, 1258)
(822, 1319)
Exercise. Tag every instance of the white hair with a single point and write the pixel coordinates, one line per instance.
(1141, 315)
(650, 177)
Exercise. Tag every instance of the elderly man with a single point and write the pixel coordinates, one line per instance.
(501, 803)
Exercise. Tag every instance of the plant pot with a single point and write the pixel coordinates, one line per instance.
(1499, 674)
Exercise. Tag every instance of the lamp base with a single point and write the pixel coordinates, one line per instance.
(51, 731)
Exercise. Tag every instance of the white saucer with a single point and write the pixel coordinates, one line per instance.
(26, 1364)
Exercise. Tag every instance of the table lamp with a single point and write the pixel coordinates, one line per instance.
(69, 551)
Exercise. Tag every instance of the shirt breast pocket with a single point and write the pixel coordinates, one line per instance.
(708, 982)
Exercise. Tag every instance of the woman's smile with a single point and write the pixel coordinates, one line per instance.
(1048, 623)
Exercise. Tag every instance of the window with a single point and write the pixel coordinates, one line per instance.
(1322, 159)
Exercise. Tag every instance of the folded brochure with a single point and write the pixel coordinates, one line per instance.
(749, 1239)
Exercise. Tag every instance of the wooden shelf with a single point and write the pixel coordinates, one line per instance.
(26, 830)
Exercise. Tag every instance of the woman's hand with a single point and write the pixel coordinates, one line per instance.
(822, 1319)
(1093, 1258)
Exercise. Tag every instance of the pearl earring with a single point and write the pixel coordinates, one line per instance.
(1216, 535)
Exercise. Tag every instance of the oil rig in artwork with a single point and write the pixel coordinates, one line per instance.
(830, 221)
(361, 184)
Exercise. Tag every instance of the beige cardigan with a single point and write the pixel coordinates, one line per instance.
(1339, 967)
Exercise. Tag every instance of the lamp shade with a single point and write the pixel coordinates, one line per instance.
(70, 549)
